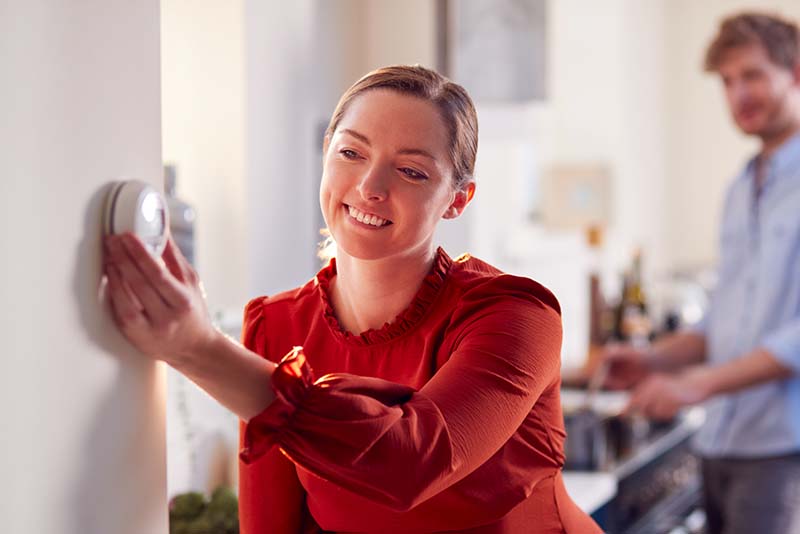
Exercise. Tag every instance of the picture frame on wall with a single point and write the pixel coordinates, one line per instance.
(576, 196)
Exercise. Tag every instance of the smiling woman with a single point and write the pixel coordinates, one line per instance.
(437, 407)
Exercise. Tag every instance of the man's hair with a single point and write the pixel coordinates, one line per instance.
(778, 36)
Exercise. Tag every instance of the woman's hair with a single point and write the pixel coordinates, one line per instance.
(451, 99)
(778, 36)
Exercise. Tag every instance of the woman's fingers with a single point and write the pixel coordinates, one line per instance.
(175, 262)
(158, 312)
(153, 269)
(154, 306)
(126, 308)
(153, 285)
(172, 259)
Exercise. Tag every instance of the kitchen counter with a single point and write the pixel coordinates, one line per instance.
(590, 491)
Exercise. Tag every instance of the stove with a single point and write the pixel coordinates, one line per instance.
(658, 483)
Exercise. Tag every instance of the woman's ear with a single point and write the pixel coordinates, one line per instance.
(461, 200)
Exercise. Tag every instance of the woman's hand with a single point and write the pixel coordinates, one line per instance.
(158, 305)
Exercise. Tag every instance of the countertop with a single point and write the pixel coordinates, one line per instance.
(590, 490)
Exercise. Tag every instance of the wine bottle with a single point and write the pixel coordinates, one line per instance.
(632, 323)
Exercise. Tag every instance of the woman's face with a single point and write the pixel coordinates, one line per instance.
(387, 177)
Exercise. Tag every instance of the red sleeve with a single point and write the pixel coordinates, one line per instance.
(271, 498)
(367, 435)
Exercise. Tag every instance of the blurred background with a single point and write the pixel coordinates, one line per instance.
(603, 155)
(590, 113)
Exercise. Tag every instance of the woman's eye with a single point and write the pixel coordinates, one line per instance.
(349, 154)
(411, 173)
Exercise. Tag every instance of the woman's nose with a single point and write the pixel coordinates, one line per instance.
(373, 185)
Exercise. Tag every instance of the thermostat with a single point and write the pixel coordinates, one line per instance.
(135, 206)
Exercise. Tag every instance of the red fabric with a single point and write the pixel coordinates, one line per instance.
(446, 419)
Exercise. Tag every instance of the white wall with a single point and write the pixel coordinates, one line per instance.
(203, 89)
(399, 33)
(83, 425)
(282, 151)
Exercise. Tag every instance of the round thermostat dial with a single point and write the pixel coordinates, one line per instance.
(135, 206)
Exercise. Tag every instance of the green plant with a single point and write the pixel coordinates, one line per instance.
(190, 513)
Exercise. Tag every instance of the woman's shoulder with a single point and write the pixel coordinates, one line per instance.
(477, 281)
(283, 314)
(290, 299)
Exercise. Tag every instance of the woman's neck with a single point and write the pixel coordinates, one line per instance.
(367, 294)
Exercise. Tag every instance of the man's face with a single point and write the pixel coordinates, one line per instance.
(758, 91)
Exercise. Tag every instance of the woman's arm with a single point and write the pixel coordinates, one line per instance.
(160, 307)
(236, 377)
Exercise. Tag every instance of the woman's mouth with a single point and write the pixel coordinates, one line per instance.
(366, 218)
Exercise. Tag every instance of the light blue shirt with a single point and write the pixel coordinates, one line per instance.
(757, 305)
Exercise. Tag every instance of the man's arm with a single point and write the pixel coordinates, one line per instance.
(629, 366)
(755, 367)
(661, 396)
(677, 351)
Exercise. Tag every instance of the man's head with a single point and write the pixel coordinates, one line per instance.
(758, 58)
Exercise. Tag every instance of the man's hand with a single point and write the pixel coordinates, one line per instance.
(627, 366)
(662, 396)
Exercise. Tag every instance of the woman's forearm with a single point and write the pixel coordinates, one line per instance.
(236, 377)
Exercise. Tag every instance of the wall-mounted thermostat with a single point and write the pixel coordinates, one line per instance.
(134, 206)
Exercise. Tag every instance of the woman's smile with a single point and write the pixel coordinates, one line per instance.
(365, 218)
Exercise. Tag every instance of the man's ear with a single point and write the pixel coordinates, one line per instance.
(461, 200)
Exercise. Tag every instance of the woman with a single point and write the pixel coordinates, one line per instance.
(437, 404)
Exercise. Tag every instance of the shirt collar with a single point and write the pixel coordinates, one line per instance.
(785, 160)
(787, 157)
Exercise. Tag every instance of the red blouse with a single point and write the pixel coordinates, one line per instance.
(446, 419)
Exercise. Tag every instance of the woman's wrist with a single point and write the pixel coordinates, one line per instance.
(205, 346)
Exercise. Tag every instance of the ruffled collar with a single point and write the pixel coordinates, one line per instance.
(405, 321)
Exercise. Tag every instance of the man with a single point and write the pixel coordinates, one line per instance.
(743, 360)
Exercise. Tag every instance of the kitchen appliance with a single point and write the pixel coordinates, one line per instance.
(658, 479)
(599, 436)
(660, 492)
